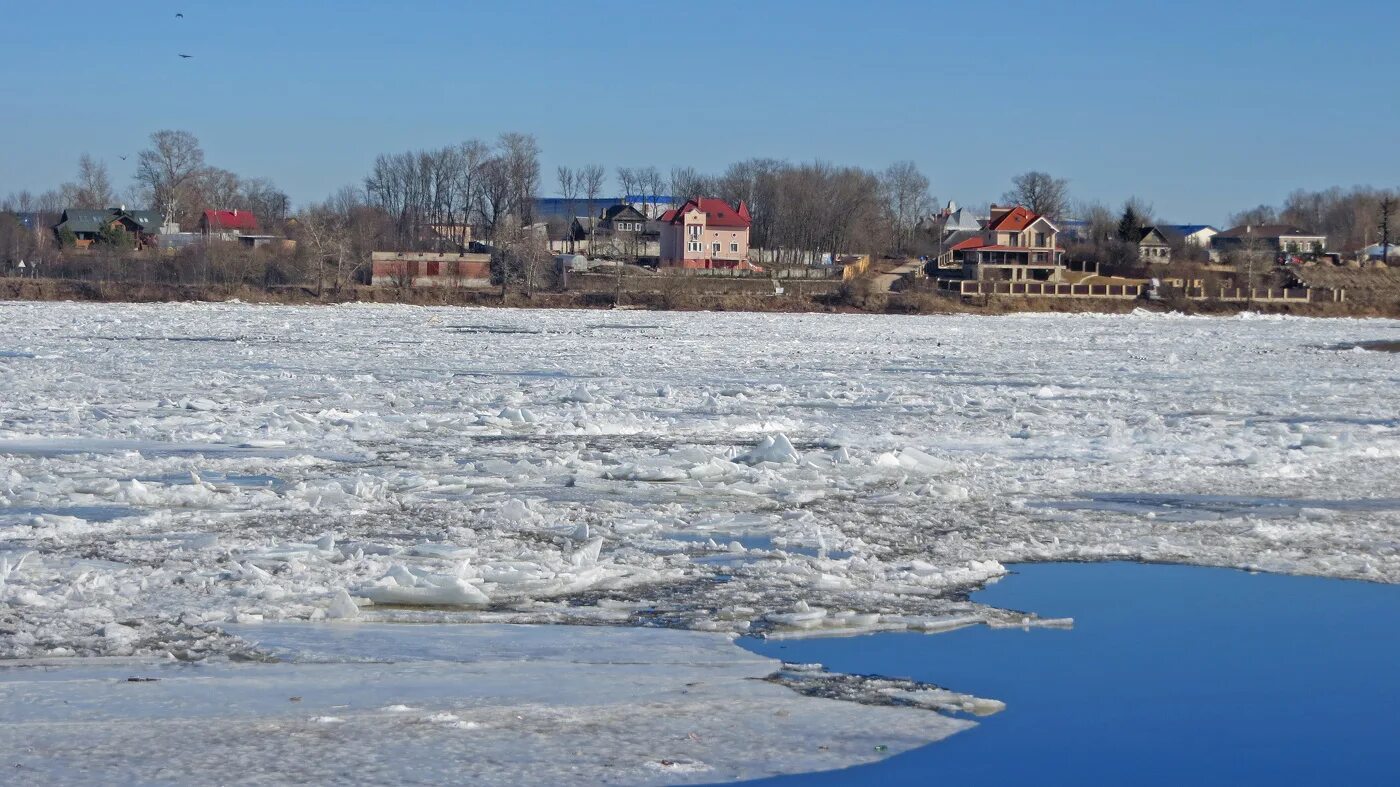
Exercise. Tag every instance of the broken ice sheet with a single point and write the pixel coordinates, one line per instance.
(443, 704)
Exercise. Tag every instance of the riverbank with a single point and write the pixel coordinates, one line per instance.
(651, 296)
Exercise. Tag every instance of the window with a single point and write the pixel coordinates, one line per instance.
(1012, 239)
(715, 247)
(1040, 239)
(694, 246)
(693, 230)
(734, 247)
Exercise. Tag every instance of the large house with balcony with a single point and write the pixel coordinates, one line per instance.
(1016, 245)
(706, 233)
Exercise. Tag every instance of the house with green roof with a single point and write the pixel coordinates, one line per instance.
(89, 226)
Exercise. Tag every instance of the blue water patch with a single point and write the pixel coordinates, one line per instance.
(1171, 675)
(97, 513)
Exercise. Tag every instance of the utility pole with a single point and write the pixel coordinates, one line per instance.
(1387, 207)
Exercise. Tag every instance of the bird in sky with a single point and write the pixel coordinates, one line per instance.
(123, 158)
(187, 57)
(179, 16)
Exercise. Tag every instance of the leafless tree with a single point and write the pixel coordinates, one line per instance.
(907, 199)
(1262, 214)
(217, 189)
(590, 182)
(93, 189)
(269, 203)
(627, 181)
(1040, 192)
(687, 183)
(521, 154)
(168, 172)
(650, 182)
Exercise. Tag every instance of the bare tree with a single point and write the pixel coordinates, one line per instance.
(168, 171)
(1042, 193)
(907, 200)
(267, 202)
(521, 156)
(1262, 214)
(686, 184)
(93, 188)
(650, 182)
(217, 189)
(590, 181)
(627, 181)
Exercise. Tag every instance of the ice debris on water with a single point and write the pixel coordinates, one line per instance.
(337, 477)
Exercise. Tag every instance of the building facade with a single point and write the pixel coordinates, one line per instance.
(1016, 245)
(428, 269)
(706, 233)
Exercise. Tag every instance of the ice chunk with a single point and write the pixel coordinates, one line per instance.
(342, 607)
(431, 590)
(773, 448)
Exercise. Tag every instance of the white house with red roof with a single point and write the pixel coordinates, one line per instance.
(706, 233)
(1016, 245)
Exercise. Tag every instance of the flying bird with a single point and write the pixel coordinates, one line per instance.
(179, 16)
(123, 158)
(187, 57)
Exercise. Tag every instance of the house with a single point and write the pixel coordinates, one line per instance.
(706, 233)
(88, 225)
(1016, 245)
(428, 269)
(1276, 238)
(228, 222)
(622, 219)
(1153, 246)
(954, 218)
(1188, 234)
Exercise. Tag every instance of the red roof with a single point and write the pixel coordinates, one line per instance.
(717, 212)
(970, 243)
(225, 220)
(1014, 220)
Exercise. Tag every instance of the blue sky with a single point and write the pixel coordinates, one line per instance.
(1200, 108)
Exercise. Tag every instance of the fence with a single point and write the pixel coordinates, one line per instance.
(1043, 289)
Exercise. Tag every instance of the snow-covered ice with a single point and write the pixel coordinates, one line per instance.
(167, 469)
(385, 704)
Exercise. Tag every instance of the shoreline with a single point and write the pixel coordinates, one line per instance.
(897, 303)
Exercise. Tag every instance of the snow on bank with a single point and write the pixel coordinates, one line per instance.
(166, 469)
(361, 704)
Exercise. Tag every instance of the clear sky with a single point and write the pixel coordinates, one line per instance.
(1200, 108)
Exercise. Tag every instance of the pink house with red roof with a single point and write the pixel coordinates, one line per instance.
(239, 221)
(1016, 245)
(706, 233)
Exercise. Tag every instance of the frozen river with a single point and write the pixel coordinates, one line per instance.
(172, 472)
(168, 466)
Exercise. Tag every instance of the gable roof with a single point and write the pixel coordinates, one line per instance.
(717, 212)
(616, 211)
(89, 221)
(238, 220)
(1017, 219)
(1149, 233)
